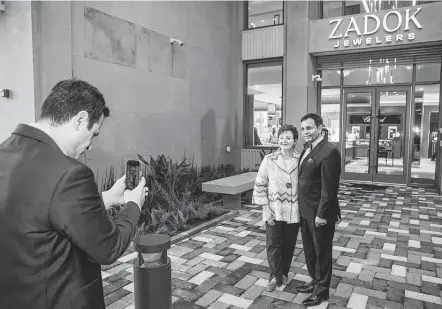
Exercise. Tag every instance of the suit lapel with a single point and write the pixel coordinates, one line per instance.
(300, 158)
(311, 154)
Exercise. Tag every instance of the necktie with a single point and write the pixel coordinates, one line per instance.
(308, 148)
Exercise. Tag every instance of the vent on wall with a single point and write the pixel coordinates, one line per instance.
(2, 6)
(250, 159)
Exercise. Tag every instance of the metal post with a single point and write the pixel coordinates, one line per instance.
(152, 272)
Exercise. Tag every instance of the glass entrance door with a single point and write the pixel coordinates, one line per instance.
(375, 133)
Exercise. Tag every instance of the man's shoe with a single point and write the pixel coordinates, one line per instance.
(314, 300)
(285, 280)
(306, 288)
(271, 286)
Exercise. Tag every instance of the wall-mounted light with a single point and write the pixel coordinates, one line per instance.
(316, 78)
(5, 93)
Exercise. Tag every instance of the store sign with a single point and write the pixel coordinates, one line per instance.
(405, 26)
(399, 26)
(366, 119)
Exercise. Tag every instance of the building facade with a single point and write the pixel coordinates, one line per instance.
(165, 97)
(371, 68)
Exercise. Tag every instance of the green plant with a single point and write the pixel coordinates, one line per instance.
(166, 181)
(175, 199)
(109, 179)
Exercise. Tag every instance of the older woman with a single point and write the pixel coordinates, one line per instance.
(276, 190)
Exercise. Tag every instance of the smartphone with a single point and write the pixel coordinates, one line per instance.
(133, 168)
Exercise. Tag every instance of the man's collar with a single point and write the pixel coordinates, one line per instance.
(50, 137)
(317, 141)
(314, 144)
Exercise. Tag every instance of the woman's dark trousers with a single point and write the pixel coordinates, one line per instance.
(281, 241)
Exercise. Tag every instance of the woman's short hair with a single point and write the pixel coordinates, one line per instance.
(286, 128)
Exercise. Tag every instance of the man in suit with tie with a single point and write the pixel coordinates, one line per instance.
(318, 185)
(55, 231)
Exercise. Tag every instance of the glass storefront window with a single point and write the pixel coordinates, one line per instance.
(339, 8)
(264, 13)
(357, 130)
(386, 73)
(331, 9)
(427, 1)
(427, 72)
(361, 7)
(330, 112)
(424, 140)
(331, 77)
(264, 103)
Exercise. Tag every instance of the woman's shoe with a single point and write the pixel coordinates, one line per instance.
(271, 286)
(285, 280)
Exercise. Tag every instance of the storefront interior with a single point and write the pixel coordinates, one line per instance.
(264, 102)
(384, 118)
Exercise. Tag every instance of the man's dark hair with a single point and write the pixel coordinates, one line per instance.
(316, 118)
(288, 127)
(69, 97)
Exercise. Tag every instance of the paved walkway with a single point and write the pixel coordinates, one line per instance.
(387, 254)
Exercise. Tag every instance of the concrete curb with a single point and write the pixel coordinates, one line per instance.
(205, 225)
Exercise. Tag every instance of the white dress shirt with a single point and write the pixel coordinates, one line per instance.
(309, 149)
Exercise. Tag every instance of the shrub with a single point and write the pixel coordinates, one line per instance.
(175, 198)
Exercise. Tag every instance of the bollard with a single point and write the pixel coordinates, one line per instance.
(152, 272)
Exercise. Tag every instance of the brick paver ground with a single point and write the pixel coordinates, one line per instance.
(387, 254)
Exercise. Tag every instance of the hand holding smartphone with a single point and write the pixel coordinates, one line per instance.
(133, 169)
(135, 184)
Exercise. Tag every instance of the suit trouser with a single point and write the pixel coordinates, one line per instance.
(281, 241)
(318, 244)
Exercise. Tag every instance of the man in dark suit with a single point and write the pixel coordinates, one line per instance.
(55, 231)
(318, 185)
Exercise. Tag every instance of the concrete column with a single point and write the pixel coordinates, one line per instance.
(237, 81)
(16, 66)
(300, 93)
(54, 46)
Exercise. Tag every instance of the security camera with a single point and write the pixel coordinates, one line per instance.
(180, 43)
(316, 78)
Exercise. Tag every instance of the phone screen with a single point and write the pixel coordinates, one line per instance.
(132, 174)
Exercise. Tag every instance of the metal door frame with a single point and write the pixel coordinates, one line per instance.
(372, 174)
(348, 175)
(404, 178)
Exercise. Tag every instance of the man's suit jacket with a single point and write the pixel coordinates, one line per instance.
(54, 228)
(318, 183)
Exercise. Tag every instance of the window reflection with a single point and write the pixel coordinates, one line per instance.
(330, 112)
(387, 72)
(265, 13)
(425, 126)
(331, 77)
(331, 9)
(427, 72)
(357, 132)
(264, 90)
(338, 8)
(371, 6)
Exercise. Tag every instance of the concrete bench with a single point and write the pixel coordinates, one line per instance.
(231, 188)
